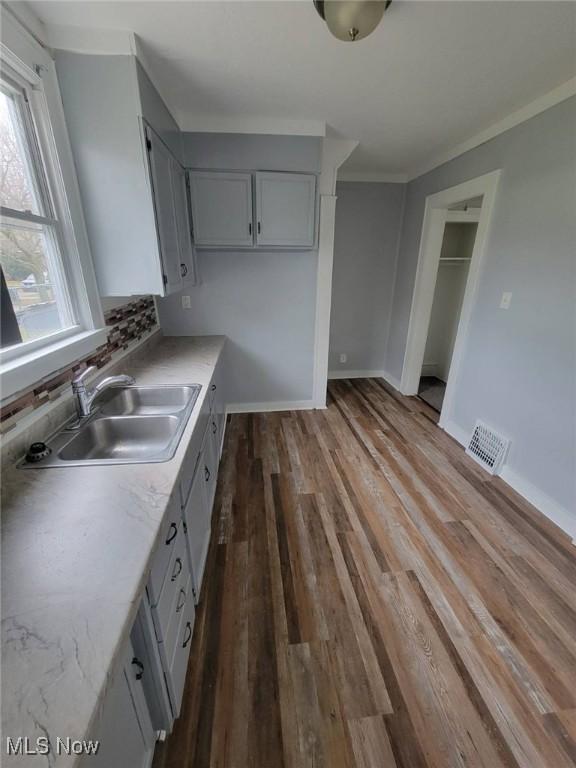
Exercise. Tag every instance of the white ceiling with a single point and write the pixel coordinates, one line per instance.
(431, 76)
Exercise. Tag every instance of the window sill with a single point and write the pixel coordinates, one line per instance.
(26, 371)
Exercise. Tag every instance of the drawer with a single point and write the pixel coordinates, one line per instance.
(176, 576)
(183, 598)
(171, 531)
(179, 663)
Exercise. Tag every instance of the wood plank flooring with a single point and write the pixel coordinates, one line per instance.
(373, 599)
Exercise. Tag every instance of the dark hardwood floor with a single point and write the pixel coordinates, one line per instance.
(374, 599)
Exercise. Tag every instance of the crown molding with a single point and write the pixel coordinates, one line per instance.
(541, 104)
(250, 124)
(375, 176)
(96, 42)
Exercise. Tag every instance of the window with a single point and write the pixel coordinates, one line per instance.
(51, 315)
(36, 300)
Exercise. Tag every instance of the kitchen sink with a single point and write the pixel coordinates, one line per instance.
(122, 438)
(147, 401)
(130, 425)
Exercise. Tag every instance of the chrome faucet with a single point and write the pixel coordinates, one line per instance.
(85, 397)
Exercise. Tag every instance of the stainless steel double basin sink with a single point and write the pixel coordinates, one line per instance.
(130, 425)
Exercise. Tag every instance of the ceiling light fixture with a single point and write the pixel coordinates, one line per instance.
(351, 20)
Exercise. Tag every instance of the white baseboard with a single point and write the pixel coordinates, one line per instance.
(290, 405)
(554, 511)
(365, 375)
(543, 503)
(355, 374)
(456, 432)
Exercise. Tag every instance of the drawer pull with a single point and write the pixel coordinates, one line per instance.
(172, 534)
(189, 633)
(214, 428)
(181, 604)
(213, 387)
(177, 569)
(206, 474)
(138, 664)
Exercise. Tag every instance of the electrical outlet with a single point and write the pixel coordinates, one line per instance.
(186, 302)
(343, 357)
(506, 300)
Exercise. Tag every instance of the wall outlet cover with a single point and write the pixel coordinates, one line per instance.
(343, 357)
(506, 300)
(186, 302)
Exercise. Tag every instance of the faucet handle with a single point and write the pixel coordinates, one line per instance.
(80, 380)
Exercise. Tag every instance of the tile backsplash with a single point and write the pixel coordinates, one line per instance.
(128, 325)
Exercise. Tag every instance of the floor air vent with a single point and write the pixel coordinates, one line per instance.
(487, 447)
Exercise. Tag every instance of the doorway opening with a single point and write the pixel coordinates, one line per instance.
(451, 278)
(454, 233)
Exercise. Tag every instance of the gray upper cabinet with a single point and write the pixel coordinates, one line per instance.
(221, 208)
(183, 224)
(222, 214)
(285, 209)
(165, 181)
(129, 199)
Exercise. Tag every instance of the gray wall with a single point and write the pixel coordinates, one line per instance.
(264, 301)
(448, 297)
(368, 218)
(518, 372)
(155, 111)
(241, 151)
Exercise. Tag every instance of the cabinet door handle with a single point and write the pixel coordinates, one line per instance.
(177, 569)
(213, 388)
(189, 633)
(259, 228)
(206, 474)
(139, 666)
(183, 270)
(250, 228)
(172, 534)
(181, 604)
(214, 428)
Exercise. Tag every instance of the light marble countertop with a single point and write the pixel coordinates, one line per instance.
(76, 547)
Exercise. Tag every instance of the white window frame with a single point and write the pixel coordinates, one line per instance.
(23, 365)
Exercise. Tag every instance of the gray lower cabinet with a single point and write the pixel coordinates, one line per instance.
(178, 663)
(125, 733)
(222, 208)
(197, 520)
(146, 694)
(198, 498)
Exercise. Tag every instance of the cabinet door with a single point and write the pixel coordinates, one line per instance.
(221, 208)
(163, 185)
(198, 521)
(285, 205)
(179, 665)
(125, 730)
(187, 260)
(211, 463)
